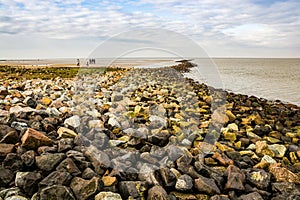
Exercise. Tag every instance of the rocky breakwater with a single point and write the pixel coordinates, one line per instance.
(144, 134)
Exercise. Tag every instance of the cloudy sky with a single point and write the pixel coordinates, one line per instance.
(223, 28)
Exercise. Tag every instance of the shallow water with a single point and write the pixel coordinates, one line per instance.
(270, 78)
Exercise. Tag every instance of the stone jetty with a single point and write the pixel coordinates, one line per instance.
(144, 134)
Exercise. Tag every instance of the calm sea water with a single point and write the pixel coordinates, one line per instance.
(267, 78)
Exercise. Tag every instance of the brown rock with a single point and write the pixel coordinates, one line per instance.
(56, 192)
(183, 196)
(69, 166)
(8, 135)
(64, 132)
(230, 115)
(6, 149)
(223, 159)
(206, 185)
(157, 193)
(251, 196)
(33, 139)
(282, 174)
(83, 189)
(109, 180)
(235, 178)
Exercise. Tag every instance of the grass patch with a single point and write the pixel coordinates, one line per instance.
(23, 73)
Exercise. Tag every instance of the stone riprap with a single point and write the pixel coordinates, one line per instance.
(144, 134)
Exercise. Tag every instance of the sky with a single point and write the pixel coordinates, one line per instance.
(222, 28)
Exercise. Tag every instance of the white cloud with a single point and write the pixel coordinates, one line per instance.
(211, 22)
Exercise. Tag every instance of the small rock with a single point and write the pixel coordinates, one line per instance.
(108, 196)
(259, 178)
(117, 97)
(268, 159)
(16, 197)
(157, 192)
(88, 173)
(184, 183)
(219, 197)
(183, 196)
(65, 144)
(28, 181)
(285, 188)
(19, 125)
(28, 158)
(56, 192)
(168, 177)
(73, 121)
(46, 101)
(132, 189)
(8, 135)
(6, 149)
(56, 178)
(29, 101)
(109, 180)
(251, 196)
(6, 176)
(96, 124)
(206, 185)
(230, 115)
(83, 189)
(33, 139)
(278, 149)
(5, 193)
(69, 166)
(262, 148)
(47, 162)
(235, 178)
(18, 109)
(113, 122)
(64, 132)
(282, 174)
(183, 163)
(13, 162)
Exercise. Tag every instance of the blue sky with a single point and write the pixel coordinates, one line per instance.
(73, 28)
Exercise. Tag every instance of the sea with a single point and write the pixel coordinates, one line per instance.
(269, 78)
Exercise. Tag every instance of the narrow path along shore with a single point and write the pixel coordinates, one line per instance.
(143, 134)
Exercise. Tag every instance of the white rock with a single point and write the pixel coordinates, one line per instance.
(18, 109)
(96, 124)
(233, 127)
(19, 125)
(73, 121)
(108, 196)
(53, 111)
(278, 149)
(113, 122)
(268, 159)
